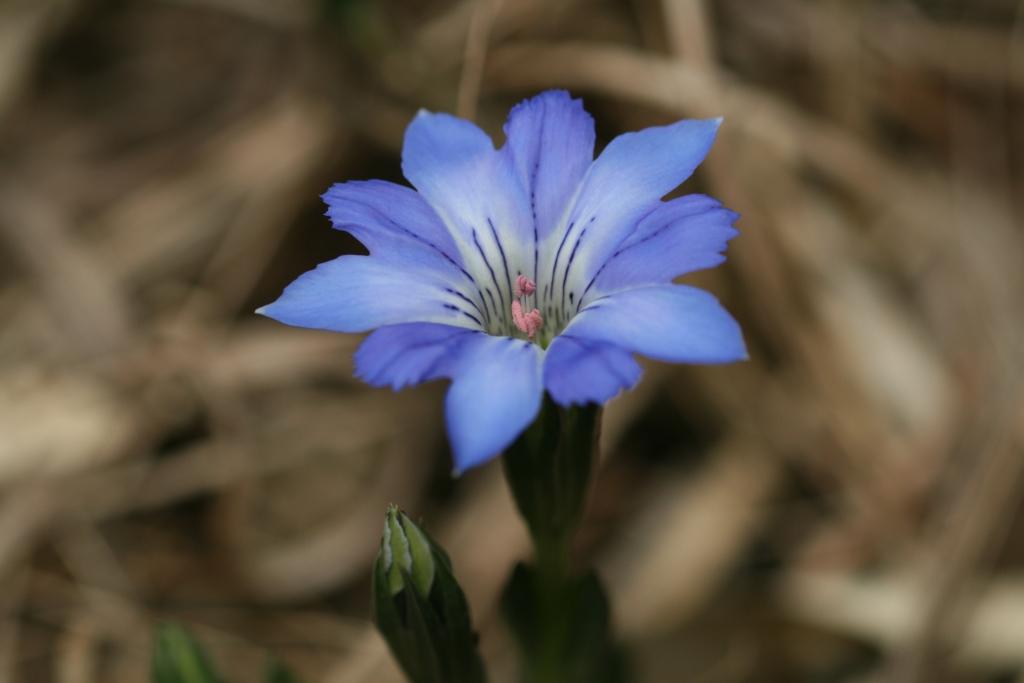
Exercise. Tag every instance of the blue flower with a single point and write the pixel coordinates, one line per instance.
(522, 269)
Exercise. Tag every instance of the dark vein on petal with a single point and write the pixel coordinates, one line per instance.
(494, 303)
(504, 260)
(558, 254)
(494, 278)
(470, 302)
(572, 257)
(591, 284)
(453, 307)
(533, 203)
(386, 219)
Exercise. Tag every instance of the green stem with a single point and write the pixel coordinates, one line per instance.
(548, 470)
(553, 612)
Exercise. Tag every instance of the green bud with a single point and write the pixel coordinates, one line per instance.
(419, 607)
(406, 552)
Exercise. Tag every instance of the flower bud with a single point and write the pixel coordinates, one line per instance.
(419, 607)
(406, 552)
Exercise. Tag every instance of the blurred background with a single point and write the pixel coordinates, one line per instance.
(844, 507)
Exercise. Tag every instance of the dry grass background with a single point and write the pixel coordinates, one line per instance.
(845, 507)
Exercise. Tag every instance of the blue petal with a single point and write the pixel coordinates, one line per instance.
(625, 183)
(387, 217)
(359, 293)
(495, 394)
(679, 237)
(551, 145)
(474, 190)
(446, 158)
(405, 355)
(496, 381)
(578, 371)
(667, 322)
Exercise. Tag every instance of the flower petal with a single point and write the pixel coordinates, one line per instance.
(623, 184)
(446, 158)
(359, 293)
(680, 236)
(495, 394)
(496, 381)
(579, 371)
(385, 216)
(405, 355)
(551, 145)
(667, 322)
(474, 190)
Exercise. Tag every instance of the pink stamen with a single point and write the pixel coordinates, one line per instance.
(525, 286)
(534, 323)
(528, 323)
(518, 319)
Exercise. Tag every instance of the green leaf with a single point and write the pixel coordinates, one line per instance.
(563, 627)
(519, 605)
(278, 673)
(598, 657)
(178, 658)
